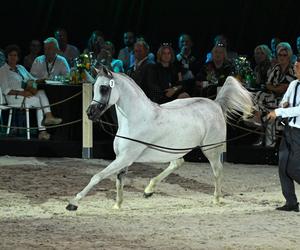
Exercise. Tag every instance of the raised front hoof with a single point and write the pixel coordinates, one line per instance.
(147, 195)
(71, 207)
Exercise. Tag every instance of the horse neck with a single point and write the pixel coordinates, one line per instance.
(132, 101)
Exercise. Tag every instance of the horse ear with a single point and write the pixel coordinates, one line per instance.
(100, 70)
(105, 71)
(97, 70)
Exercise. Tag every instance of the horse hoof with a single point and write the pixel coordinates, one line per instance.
(71, 207)
(147, 195)
(116, 207)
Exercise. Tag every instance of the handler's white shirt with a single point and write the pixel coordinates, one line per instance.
(59, 67)
(291, 111)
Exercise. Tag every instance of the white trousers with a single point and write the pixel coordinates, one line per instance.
(36, 101)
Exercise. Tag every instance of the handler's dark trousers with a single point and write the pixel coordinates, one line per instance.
(289, 163)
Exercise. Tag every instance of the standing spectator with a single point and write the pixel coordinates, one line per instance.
(70, 52)
(34, 51)
(126, 54)
(50, 64)
(95, 43)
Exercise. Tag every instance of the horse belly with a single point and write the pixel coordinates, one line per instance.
(155, 156)
(178, 140)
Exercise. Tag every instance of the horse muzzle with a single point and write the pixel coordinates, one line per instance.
(95, 111)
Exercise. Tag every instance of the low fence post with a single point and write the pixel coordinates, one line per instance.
(87, 125)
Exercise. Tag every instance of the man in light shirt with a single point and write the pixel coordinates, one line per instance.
(50, 65)
(68, 51)
(289, 151)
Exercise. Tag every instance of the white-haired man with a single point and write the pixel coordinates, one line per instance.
(50, 64)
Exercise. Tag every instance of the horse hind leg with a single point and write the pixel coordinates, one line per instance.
(119, 187)
(215, 159)
(149, 190)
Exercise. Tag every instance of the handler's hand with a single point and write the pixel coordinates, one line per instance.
(271, 115)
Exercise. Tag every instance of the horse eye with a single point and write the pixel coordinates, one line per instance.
(103, 90)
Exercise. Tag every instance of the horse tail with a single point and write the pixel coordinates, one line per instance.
(234, 98)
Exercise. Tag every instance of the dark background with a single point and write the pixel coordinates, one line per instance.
(246, 23)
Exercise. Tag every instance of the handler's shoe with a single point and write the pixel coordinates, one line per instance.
(289, 208)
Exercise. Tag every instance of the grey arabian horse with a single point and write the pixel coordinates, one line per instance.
(183, 123)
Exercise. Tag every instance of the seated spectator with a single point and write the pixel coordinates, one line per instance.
(214, 73)
(262, 56)
(2, 58)
(68, 51)
(140, 70)
(221, 39)
(50, 65)
(18, 88)
(164, 82)
(151, 56)
(106, 57)
(95, 43)
(279, 78)
(126, 54)
(34, 51)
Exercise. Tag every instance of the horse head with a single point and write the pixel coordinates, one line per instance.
(105, 94)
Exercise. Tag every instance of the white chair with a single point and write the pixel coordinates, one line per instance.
(2, 104)
(5, 106)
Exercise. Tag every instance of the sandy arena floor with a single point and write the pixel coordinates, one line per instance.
(181, 215)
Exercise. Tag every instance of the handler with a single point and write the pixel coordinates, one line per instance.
(289, 151)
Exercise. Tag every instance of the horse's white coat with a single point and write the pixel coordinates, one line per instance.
(183, 123)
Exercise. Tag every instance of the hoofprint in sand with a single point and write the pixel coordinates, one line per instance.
(180, 215)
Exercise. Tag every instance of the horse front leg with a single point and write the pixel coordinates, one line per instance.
(115, 166)
(149, 190)
(119, 187)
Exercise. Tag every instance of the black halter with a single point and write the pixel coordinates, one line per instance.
(105, 92)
